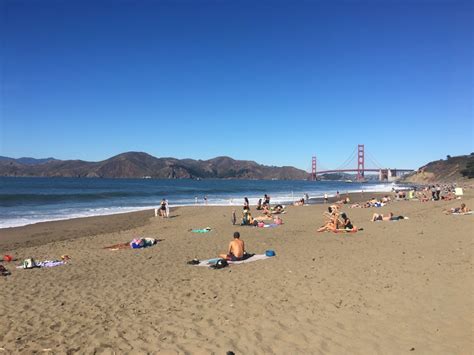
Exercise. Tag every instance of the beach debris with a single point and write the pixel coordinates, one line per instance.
(4, 271)
(203, 230)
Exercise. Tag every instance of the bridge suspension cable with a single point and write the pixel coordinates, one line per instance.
(349, 160)
(373, 160)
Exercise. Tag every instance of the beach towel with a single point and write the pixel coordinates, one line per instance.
(137, 243)
(353, 230)
(45, 263)
(461, 213)
(256, 257)
(204, 230)
(458, 191)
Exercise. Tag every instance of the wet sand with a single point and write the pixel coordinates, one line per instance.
(395, 287)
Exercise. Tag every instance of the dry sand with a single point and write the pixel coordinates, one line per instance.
(396, 287)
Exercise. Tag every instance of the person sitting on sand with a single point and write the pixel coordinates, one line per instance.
(389, 217)
(299, 202)
(246, 203)
(462, 209)
(277, 209)
(277, 220)
(236, 249)
(333, 222)
(266, 211)
(247, 219)
(259, 204)
(346, 222)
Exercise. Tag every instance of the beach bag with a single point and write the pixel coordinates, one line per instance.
(270, 253)
(29, 263)
(220, 264)
(137, 243)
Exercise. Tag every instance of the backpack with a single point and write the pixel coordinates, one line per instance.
(220, 264)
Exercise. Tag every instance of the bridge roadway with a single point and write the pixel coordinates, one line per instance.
(364, 170)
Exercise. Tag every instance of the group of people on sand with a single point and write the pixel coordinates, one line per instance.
(336, 221)
(373, 202)
(267, 212)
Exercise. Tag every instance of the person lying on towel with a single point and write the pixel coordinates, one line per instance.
(390, 217)
(462, 209)
(236, 249)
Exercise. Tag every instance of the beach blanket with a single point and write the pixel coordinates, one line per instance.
(461, 213)
(353, 230)
(204, 230)
(45, 263)
(256, 257)
(137, 243)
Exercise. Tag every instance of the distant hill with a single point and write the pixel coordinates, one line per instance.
(140, 165)
(453, 169)
(26, 161)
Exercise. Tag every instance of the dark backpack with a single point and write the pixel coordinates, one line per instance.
(220, 264)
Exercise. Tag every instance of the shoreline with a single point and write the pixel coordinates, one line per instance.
(46, 232)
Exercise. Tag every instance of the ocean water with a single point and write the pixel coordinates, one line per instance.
(31, 200)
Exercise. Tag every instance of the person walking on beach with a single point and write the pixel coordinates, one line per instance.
(205, 200)
(167, 209)
(326, 198)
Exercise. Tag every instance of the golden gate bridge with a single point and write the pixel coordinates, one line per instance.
(358, 154)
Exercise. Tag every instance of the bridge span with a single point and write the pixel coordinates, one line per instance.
(385, 174)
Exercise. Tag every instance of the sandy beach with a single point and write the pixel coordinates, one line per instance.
(393, 288)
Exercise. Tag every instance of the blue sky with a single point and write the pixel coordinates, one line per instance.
(270, 81)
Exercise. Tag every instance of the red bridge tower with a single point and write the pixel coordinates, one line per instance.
(360, 162)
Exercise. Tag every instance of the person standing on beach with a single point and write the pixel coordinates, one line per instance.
(163, 208)
(205, 200)
(326, 198)
(167, 209)
(246, 203)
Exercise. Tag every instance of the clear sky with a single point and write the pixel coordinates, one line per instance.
(270, 81)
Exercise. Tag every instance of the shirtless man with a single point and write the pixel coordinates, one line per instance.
(236, 249)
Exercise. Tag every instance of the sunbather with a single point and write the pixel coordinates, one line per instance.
(347, 224)
(389, 217)
(247, 219)
(236, 249)
(277, 220)
(332, 222)
(462, 209)
(277, 209)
